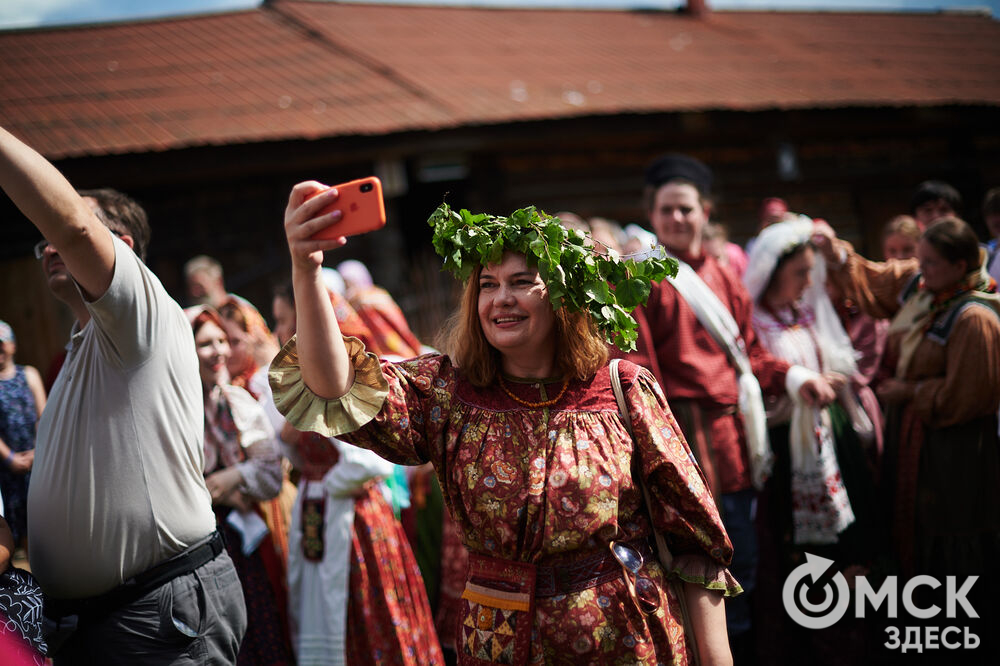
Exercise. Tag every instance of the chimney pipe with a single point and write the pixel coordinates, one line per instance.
(697, 8)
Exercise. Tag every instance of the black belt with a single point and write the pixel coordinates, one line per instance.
(140, 584)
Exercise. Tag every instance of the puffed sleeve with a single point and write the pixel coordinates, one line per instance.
(683, 509)
(875, 286)
(398, 410)
(308, 412)
(971, 382)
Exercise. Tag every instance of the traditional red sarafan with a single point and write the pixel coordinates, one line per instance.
(695, 368)
(548, 486)
(388, 618)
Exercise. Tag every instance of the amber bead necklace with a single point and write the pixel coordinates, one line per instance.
(528, 403)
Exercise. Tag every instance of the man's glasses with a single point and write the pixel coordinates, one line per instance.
(42, 244)
(642, 588)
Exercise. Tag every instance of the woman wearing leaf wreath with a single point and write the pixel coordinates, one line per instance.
(521, 424)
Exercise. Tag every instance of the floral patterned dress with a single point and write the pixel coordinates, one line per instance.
(546, 486)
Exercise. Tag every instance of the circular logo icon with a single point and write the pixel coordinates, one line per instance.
(836, 594)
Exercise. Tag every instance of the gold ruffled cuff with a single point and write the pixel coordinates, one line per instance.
(702, 570)
(329, 417)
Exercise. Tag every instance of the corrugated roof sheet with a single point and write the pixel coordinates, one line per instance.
(293, 69)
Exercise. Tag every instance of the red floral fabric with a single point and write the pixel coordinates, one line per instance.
(549, 485)
(385, 322)
(388, 618)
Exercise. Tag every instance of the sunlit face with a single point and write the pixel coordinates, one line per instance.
(792, 279)
(929, 211)
(240, 348)
(898, 246)
(212, 346)
(284, 319)
(514, 308)
(678, 217)
(939, 274)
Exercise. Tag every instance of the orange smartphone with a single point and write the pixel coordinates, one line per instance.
(361, 206)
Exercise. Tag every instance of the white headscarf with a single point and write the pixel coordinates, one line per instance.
(823, 509)
(773, 243)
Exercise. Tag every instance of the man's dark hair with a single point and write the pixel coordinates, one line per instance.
(121, 213)
(932, 190)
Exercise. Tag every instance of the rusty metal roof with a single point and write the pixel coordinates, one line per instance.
(299, 70)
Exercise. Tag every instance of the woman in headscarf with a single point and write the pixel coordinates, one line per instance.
(820, 497)
(796, 321)
(537, 465)
(941, 467)
(252, 345)
(242, 469)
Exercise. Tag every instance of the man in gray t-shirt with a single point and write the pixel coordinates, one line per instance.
(122, 533)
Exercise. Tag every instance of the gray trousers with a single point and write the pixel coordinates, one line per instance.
(198, 618)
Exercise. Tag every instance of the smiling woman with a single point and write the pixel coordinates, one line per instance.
(242, 469)
(515, 314)
(535, 462)
(506, 319)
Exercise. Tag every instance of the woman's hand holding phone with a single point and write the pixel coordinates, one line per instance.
(320, 218)
(326, 367)
(304, 217)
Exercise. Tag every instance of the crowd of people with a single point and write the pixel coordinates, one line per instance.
(202, 487)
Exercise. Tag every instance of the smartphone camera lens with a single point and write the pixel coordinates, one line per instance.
(366, 187)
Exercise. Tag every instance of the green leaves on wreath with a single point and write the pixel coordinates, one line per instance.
(606, 286)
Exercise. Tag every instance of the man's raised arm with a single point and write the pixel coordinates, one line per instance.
(67, 222)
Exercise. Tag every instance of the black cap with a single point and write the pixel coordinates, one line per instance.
(674, 165)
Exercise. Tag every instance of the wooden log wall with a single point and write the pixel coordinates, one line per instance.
(855, 168)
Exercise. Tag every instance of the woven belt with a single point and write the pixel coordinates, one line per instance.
(139, 585)
(583, 573)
